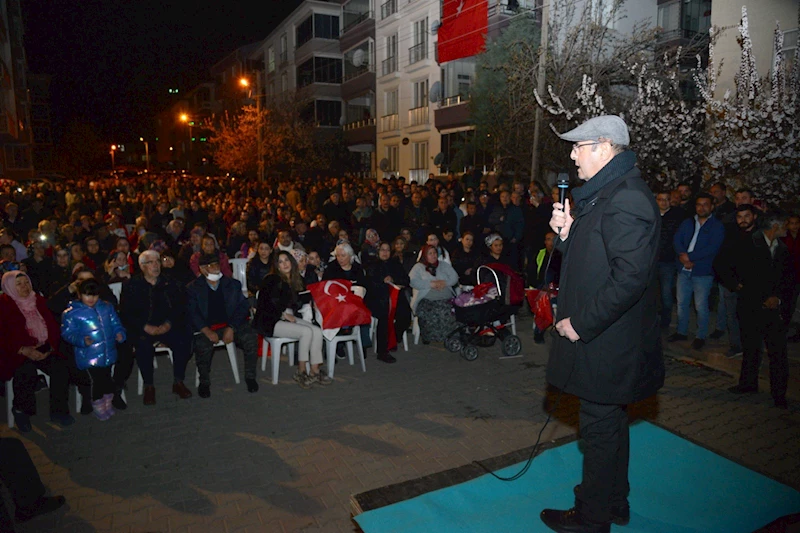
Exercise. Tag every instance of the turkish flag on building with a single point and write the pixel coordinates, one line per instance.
(338, 306)
(463, 29)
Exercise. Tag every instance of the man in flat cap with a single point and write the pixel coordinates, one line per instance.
(608, 348)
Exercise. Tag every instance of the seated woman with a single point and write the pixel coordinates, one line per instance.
(275, 317)
(433, 281)
(346, 267)
(432, 239)
(308, 275)
(466, 258)
(402, 255)
(60, 272)
(249, 248)
(494, 243)
(258, 267)
(30, 342)
(116, 269)
(381, 273)
(369, 250)
(209, 246)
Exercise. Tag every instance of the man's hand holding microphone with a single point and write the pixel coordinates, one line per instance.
(561, 222)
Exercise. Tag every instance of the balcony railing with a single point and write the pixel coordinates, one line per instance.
(359, 124)
(418, 116)
(418, 52)
(455, 100)
(389, 65)
(357, 71)
(353, 18)
(390, 122)
(388, 9)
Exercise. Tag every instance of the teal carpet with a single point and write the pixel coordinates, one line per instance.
(676, 487)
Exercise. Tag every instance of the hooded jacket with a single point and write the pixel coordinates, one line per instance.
(102, 324)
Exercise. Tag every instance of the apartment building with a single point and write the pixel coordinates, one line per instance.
(407, 141)
(16, 135)
(181, 136)
(303, 53)
(41, 122)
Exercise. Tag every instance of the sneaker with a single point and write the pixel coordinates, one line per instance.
(716, 334)
(22, 420)
(61, 419)
(304, 380)
(734, 351)
(321, 379)
(677, 337)
(698, 344)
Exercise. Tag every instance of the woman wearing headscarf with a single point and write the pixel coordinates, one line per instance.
(494, 254)
(193, 245)
(369, 250)
(30, 341)
(433, 281)
(308, 275)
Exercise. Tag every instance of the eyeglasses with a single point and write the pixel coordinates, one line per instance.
(151, 262)
(577, 146)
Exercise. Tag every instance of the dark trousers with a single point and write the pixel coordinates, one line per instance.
(19, 475)
(245, 337)
(767, 326)
(179, 342)
(402, 320)
(124, 365)
(606, 448)
(102, 383)
(25, 379)
(79, 378)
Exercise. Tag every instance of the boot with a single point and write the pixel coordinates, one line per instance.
(100, 411)
(108, 398)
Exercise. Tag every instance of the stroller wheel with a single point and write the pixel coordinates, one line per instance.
(454, 343)
(511, 345)
(469, 352)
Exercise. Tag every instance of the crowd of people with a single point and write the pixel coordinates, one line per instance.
(169, 244)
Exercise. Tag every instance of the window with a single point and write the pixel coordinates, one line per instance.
(328, 112)
(669, 16)
(419, 155)
(271, 59)
(419, 51)
(284, 83)
(393, 155)
(790, 42)
(319, 70)
(305, 31)
(389, 64)
(284, 48)
(358, 60)
(457, 77)
(420, 96)
(326, 26)
(391, 102)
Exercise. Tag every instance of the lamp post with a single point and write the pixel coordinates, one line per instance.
(185, 119)
(113, 150)
(146, 153)
(244, 82)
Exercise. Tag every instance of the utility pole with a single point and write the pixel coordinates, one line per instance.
(540, 87)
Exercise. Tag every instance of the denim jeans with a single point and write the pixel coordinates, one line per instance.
(667, 277)
(700, 287)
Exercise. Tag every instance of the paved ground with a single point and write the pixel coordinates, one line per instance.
(286, 459)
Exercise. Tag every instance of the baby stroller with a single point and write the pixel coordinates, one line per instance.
(485, 313)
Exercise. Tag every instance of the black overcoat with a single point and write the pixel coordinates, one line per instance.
(609, 290)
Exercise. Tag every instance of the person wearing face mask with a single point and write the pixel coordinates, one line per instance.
(217, 311)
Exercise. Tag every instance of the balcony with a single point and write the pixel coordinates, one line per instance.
(359, 124)
(389, 65)
(388, 9)
(454, 100)
(418, 52)
(418, 116)
(354, 18)
(390, 123)
(351, 74)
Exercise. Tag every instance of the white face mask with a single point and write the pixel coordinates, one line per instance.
(214, 276)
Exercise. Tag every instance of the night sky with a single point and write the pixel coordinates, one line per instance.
(112, 63)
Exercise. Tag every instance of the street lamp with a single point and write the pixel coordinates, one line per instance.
(146, 153)
(113, 150)
(245, 83)
(185, 119)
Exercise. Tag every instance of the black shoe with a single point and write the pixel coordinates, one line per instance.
(86, 406)
(252, 385)
(620, 514)
(741, 389)
(571, 521)
(204, 390)
(41, 506)
(677, 337)
(698, 344)
(41, 384)
(386, 358)
(538, 338)
(716, 334)
(23, 420)
(118, 403)
(781, 403)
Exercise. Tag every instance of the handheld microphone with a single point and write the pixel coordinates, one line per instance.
(563, 187)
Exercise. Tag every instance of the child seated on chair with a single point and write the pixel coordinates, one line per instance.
(92, 326)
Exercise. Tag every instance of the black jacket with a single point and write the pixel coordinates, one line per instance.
(237, 309)
(142, 304)
(609, 290)
(274, 297)
(256, 272)
(669, 225)
(377, 297)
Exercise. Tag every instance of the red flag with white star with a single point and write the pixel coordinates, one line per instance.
(338, 306)
(463, 29)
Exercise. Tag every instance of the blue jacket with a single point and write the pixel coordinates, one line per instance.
(236, 305)
(101, 323)
(709, 241)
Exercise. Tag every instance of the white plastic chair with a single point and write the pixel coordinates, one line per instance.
(159, 348)
(116, 288)
(354, 337)
(415, 329)
(276, 344)
(373, 332)
(231, 349)
(239, 267)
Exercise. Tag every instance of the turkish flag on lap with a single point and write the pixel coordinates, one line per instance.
(394, 293)
(463, 29)
(338, 306)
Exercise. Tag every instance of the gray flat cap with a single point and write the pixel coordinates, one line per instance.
(609, 127)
